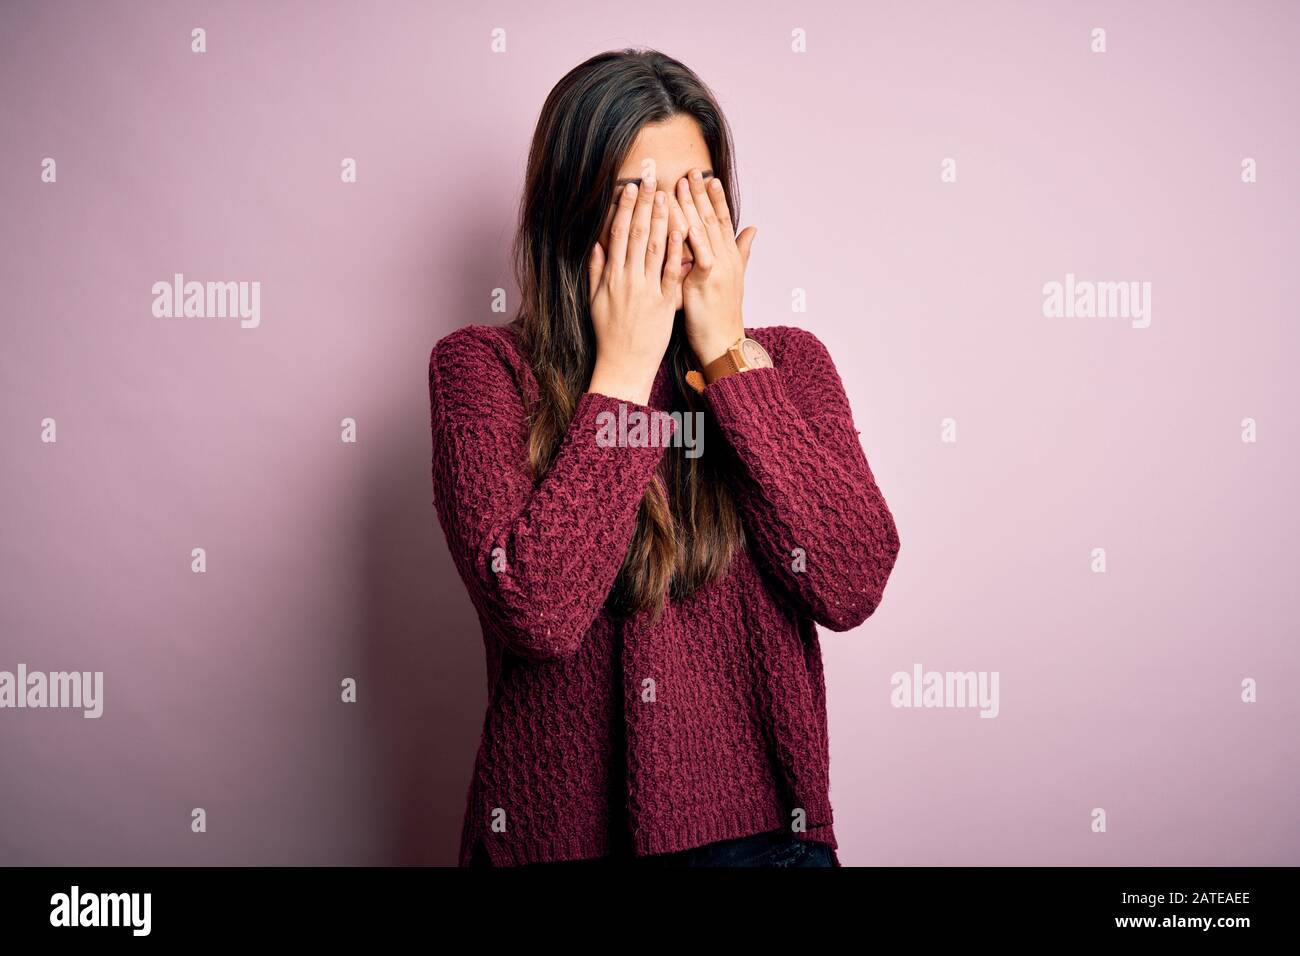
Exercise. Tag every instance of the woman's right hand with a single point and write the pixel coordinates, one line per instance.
(633, 294)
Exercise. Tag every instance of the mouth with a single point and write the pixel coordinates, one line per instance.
(687, 265)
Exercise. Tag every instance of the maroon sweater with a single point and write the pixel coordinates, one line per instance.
(606, 734)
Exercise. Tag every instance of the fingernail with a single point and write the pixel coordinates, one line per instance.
(695, 175)
(629, 189)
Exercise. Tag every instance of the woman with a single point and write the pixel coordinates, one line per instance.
(655, 687)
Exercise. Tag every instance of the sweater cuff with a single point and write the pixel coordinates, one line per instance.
(618, 430)
(758, 394)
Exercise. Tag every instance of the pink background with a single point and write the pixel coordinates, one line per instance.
(1118, 690)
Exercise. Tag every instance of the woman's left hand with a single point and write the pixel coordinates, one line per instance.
(713, 290)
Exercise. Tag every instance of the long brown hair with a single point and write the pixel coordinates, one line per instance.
(688, 527)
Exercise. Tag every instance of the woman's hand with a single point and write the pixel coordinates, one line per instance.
(715, 286)
(634, 294)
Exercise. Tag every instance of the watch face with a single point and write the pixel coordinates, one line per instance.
(755, 355)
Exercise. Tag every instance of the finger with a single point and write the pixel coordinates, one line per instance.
(595, 268)
(718, 197)
(696, 232)
(744, 241)
(676, 215)
(672, 278)
(704, 209)
(618, 229)
(639, 233)
(654, 257)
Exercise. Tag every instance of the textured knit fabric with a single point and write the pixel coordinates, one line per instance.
(620, 735)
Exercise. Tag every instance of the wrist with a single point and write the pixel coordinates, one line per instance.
(621, 385)
(711, 348)
(741, 355)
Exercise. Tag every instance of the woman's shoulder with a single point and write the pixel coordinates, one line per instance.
(476, 343)
(478, 366)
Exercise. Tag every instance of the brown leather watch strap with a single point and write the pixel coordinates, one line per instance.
(720, 367)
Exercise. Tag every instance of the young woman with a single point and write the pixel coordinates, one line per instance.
(648, 604)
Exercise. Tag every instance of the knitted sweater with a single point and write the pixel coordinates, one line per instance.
(607, 734)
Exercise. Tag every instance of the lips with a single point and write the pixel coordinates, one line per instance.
(687, 265)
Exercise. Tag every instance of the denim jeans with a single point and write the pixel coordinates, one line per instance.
(777, 848)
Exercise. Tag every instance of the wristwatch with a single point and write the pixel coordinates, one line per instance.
(746, 354)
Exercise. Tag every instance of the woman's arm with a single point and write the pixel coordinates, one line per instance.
(811, 507)
(556, 546)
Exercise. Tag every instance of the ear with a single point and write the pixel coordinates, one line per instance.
(744, 241)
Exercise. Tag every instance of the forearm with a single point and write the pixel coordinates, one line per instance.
(815, 515)
(559, 555)
(539, 558)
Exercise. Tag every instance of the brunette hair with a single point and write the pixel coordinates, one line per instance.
(688, 526)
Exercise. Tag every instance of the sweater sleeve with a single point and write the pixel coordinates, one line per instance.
(539, 559)
(816, 519)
